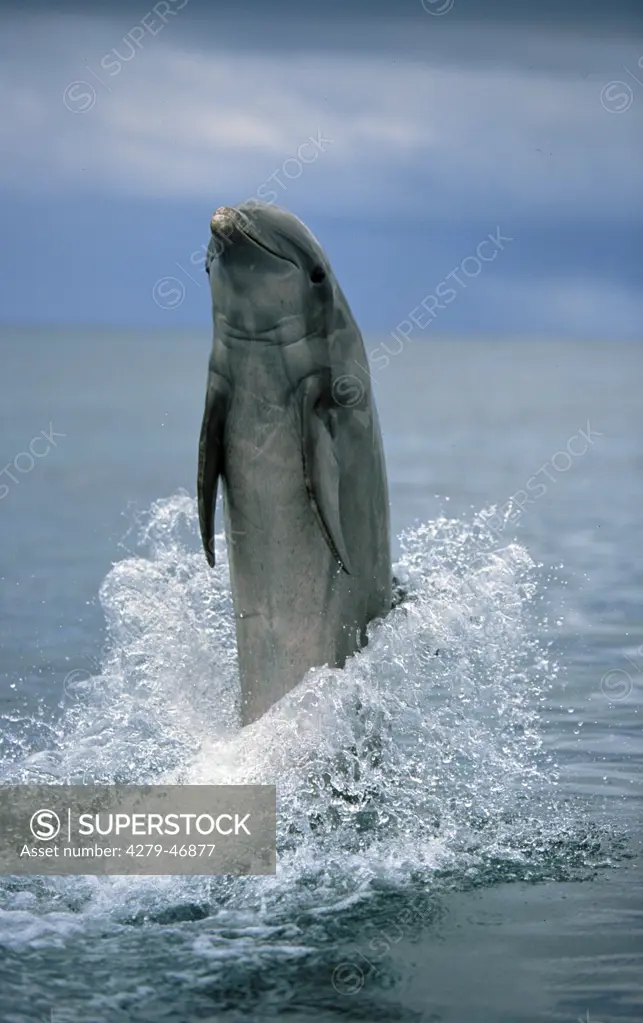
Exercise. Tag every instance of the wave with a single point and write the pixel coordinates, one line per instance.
(420, 763)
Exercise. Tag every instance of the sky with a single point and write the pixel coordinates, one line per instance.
(403, 133)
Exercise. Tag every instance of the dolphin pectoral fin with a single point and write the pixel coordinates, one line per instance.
(210, 468)
(322, 472)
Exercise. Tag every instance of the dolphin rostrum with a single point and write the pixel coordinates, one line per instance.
(290, 427)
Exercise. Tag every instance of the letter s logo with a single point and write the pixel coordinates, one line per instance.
(79, 97)
(45, 825)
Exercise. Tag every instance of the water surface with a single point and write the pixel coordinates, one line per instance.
(488, 864)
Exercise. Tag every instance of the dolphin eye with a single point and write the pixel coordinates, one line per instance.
(317, 274)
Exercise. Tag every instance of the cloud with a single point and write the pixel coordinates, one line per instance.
(436, 131)
(435, 136)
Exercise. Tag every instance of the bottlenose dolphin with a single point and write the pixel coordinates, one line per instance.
(290, 427)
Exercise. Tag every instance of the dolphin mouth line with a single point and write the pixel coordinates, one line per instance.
(240, 221)
(278, 255)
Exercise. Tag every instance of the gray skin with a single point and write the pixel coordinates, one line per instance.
(290, 427)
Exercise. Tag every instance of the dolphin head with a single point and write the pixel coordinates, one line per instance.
(269, 277)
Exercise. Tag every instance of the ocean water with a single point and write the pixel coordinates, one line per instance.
(487, 866)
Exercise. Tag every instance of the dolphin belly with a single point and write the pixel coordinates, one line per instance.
(293, 604)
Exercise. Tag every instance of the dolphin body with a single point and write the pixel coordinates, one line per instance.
(290, 427)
